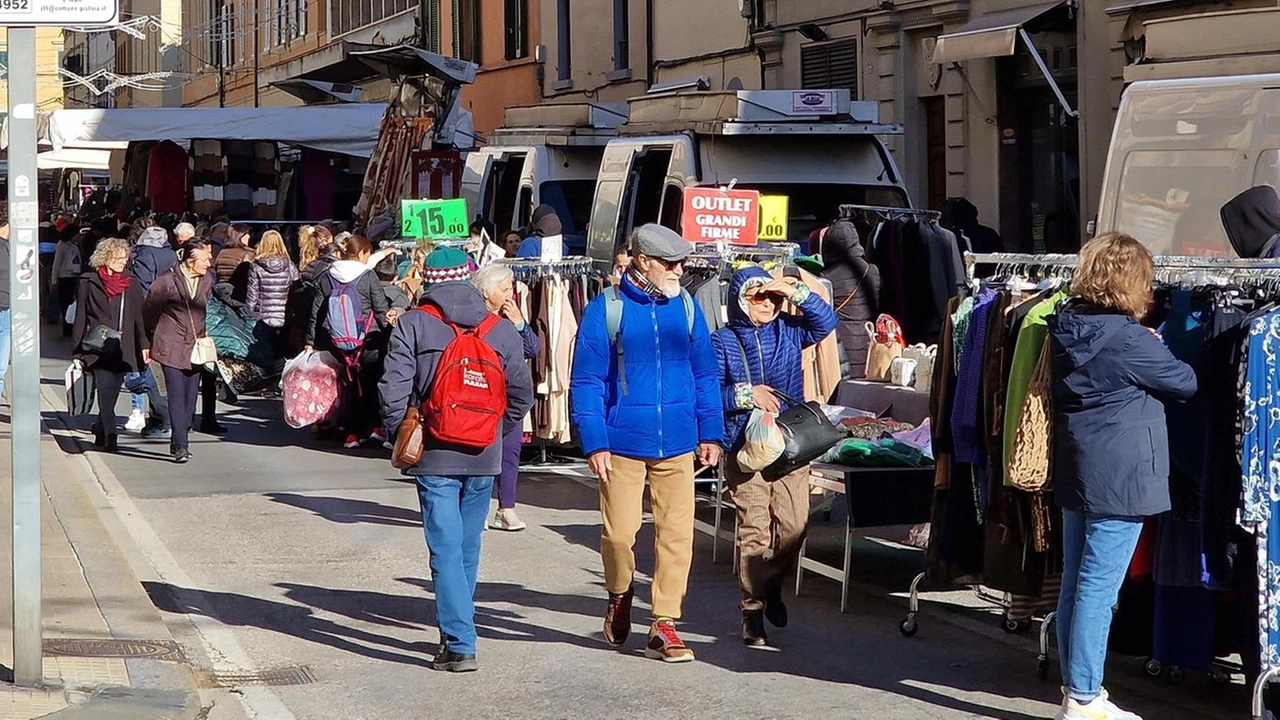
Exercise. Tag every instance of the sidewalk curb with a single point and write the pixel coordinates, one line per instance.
(159, 690)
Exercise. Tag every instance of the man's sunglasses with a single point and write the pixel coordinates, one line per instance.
(668, 264)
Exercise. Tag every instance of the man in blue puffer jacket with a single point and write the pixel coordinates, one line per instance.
(758, 362)
(643, 398)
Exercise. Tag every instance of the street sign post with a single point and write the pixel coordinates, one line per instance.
(24, 390)
(433, 219)
(77, 13)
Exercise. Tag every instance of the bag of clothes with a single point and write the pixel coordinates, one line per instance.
(80, 387)
(763, 442)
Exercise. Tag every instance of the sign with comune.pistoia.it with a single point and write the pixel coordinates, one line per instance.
(23, 13)
(714, 215)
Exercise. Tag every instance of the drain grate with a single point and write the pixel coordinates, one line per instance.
(127, 649)
(293, 675)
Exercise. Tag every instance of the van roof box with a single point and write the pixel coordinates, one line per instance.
(561, 124)
(756, 112)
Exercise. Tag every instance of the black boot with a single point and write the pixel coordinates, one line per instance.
(450, 661)
(775, 611)
(111, 445)
(753, 628)
(209, 426)
(99, 437)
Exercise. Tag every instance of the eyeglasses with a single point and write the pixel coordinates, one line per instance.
(668, 264)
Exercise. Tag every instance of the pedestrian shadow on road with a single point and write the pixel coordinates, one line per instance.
(300, 621)
(349, 511)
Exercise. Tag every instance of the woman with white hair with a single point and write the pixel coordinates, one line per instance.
(497, 286)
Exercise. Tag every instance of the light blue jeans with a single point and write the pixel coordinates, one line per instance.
(6, 344)
(454, 509)
(1096, 553)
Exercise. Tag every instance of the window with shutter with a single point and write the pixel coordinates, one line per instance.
(830, 65)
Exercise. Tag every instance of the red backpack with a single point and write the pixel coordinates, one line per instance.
(468, 397)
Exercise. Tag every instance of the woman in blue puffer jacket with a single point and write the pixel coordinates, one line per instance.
(758, 359)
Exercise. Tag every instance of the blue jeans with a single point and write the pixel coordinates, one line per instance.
(1096, 553)
(454, 509)
(143, 385)
(6, 344)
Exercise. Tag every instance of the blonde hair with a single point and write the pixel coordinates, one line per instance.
(313, 242)
(106, 249)
(1115, 271)
(271, 245)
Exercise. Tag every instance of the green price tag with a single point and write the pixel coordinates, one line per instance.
(433, 219)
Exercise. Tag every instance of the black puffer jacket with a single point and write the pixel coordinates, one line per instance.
(855, 286)
(268, 292)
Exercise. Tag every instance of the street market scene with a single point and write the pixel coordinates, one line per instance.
(639, 359)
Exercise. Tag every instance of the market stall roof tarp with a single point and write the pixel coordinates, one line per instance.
(350, 128)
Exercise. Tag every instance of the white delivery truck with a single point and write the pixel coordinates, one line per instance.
(1180, 150)
(818, 148)
(543, 154)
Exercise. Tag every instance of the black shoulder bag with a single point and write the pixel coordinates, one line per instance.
(807, 432)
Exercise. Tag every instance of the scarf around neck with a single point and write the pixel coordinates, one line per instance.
(112, 283)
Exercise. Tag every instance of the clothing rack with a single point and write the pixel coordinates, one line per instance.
(714, 253)
(848, 209)
(413, 244)
(524, 268)
(1168, 267)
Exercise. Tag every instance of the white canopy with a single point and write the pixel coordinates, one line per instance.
(351, 129)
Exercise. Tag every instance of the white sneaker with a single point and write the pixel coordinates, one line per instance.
(137, 421)
(1100, 708)
(507, 520)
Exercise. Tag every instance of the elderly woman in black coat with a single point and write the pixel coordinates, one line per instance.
(855, 286)
(109, 333)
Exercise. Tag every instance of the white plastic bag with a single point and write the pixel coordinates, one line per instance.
(310, 388)
(80, 387)
(764, 442)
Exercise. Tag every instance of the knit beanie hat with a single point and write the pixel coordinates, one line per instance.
(445, 264)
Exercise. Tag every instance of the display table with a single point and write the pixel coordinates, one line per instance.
(876, 496)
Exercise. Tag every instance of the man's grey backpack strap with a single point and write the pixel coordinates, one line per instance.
(613, 324)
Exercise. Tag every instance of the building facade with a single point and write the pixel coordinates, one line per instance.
(1008, 103)
(247, 63)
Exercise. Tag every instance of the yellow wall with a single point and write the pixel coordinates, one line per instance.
(48, 82)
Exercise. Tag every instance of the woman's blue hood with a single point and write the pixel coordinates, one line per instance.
(744, 280)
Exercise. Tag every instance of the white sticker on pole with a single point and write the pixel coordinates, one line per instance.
(23, 111)
(21, 183)
(25, 213)
(22, 13)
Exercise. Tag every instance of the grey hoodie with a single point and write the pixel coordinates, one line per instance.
(152, 256)
(416, 344)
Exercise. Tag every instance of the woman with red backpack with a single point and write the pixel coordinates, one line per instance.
(349, 320)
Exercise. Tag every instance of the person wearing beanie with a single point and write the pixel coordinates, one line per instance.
(545, 223)
(446, 264)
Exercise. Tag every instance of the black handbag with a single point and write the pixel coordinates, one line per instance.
(102, 339)
(805, 428)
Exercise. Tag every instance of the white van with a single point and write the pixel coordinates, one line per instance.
(545, 154)
(816, 147)
(1180, 150)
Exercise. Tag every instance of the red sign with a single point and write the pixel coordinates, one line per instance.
(715, 215)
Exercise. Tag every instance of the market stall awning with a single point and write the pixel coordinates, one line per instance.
(331, 63)
(350, 129)
(1127, 5)
(318, 92)
(992, 35)
(409, 60)
(77, 158)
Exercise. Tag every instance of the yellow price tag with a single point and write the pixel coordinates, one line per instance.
(773, 217)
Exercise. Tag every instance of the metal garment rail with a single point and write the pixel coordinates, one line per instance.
(848, 209)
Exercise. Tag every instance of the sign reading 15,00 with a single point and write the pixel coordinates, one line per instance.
(433, 219)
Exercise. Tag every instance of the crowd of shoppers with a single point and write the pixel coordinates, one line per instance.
(653, 394)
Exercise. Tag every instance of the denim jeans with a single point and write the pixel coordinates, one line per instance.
(143, 385)
(6, 344)
(454, 509)
(1096, 553)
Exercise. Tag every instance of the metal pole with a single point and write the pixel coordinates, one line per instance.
(24, 390)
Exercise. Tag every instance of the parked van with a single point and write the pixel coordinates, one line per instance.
(817, 147)
(1180, 150)
(545, 154)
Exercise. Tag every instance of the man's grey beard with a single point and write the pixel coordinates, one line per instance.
(671, 291)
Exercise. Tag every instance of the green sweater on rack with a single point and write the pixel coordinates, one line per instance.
(1031, 337)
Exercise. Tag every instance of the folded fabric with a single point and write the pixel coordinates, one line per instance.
(881, 453)
(872, 428)
(921, 437)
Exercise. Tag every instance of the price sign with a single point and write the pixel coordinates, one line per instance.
(773, 217)
(433, 219)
